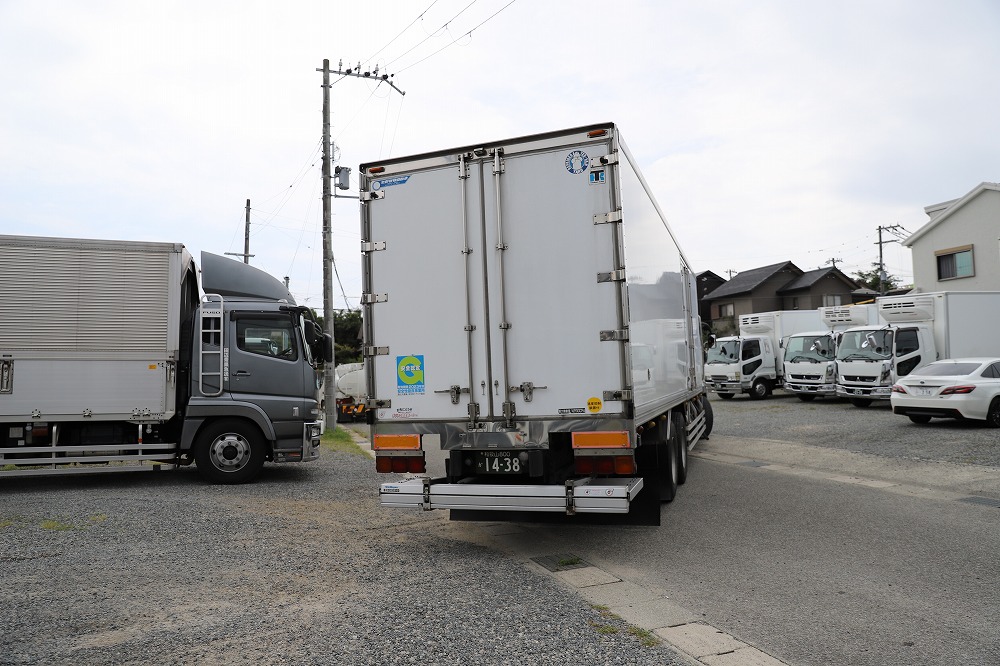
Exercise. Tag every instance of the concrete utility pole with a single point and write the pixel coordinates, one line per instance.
(895, 229)
(246, 240)
(329, 375)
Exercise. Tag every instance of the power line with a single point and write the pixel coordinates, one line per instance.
(433, 33)
(460, 36)
(372, 57)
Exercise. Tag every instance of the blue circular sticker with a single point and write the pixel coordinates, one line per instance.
(577, 162)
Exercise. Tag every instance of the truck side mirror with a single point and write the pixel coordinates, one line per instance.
(312, 332)
(327, 347)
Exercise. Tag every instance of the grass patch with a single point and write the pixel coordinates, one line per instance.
(604, 629)
(4, 522)
(646, 638)
(50, 524)
(98, 518)
(569, 561)
(341, 440)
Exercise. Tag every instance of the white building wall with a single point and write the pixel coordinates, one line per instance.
(976, 223)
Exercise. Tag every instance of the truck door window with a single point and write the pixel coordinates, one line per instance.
(751, 349)
(267, 336)
(906, 342)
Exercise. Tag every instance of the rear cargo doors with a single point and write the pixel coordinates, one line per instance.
(492, 285)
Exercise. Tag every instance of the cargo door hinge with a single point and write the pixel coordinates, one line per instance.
(376, 351)
(367, 299)
(619, 335)
(527, 389)
(624, 394)
(368, 196)
(372, 247)
(613, 216)
(7, 375)
(612, 276)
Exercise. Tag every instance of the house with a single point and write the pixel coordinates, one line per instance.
(781, 286)
(959, 248)
(707, 282)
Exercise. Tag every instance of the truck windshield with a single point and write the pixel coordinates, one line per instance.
(865, 345)
(724, 351)
(812, 348)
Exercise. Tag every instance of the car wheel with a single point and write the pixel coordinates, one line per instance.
(993, 415)
(806, 397)
(726, 396)
(759, 390)
(919, 418)
(229, 451)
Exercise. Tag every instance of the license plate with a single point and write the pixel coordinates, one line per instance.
(922, 390)
(499, 462)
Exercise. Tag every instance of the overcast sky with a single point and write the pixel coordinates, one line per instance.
(768, 130)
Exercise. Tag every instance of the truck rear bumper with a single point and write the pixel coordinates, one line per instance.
(580, 496)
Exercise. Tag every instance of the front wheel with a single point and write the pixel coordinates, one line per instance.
(726, 396)
(806, 397)
(229, 451)
(860, 402)
(759, 390)
(919, 418)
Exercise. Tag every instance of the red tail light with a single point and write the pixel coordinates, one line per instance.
(585, 465)
(952, 390)
(400, 464)
(896, 388)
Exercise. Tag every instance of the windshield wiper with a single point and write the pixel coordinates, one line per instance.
(858, 357)
(804, 358)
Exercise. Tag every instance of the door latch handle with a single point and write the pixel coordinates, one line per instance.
(241, 373)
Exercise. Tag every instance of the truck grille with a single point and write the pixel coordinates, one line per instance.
(860, 378)
(814, 378)
(719, 378)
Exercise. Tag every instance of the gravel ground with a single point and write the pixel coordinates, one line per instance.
(300, 567)
(874, 430)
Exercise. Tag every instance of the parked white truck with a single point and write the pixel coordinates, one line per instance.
(111, 359)
(810, 357)
(350, 391)
(529, 312)
(753, 361)
(919, 329)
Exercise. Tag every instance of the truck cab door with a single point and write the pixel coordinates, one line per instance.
(910, 353)
(752, 356)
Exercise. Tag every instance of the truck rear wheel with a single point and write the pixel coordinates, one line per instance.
(229, 451)
(709, 416)
(680, 436)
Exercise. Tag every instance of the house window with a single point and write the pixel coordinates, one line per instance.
(955, 263)
(831, 299)
(727, 310)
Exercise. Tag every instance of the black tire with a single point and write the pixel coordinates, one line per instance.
(680, 436)
(726, 396)
(806, 397)
(667, 472)
(759, 390)
(229, 451)
(919, 418)
(993, 414)
(861, 402)
(709, 417)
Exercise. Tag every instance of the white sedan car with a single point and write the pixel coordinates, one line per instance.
(961, 388)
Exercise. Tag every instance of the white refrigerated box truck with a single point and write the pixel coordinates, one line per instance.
(753, 361)
(919, 329)
(528, 311)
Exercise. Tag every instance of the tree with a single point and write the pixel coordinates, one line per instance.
(347, 336)
(870, 280)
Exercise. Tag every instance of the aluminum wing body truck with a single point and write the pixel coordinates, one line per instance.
(753, 361)
(919, 329)
(528, 314)
(111, 359)
(810, 357)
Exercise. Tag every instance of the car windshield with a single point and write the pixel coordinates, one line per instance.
(865, 345)
(946, 369)
(813, 348)
(724, 351)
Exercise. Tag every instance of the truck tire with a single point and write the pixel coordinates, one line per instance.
(919, 418)
(680, 436)
(668, 470)
(726, 396)
(993, 414)
(229, 451)
(861, 402)
(759, 390)
(709, 416)
(806, 397)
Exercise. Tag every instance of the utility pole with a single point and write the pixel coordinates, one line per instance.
(246, 240)
(330, 376)
(895, 229)
(833, 261)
